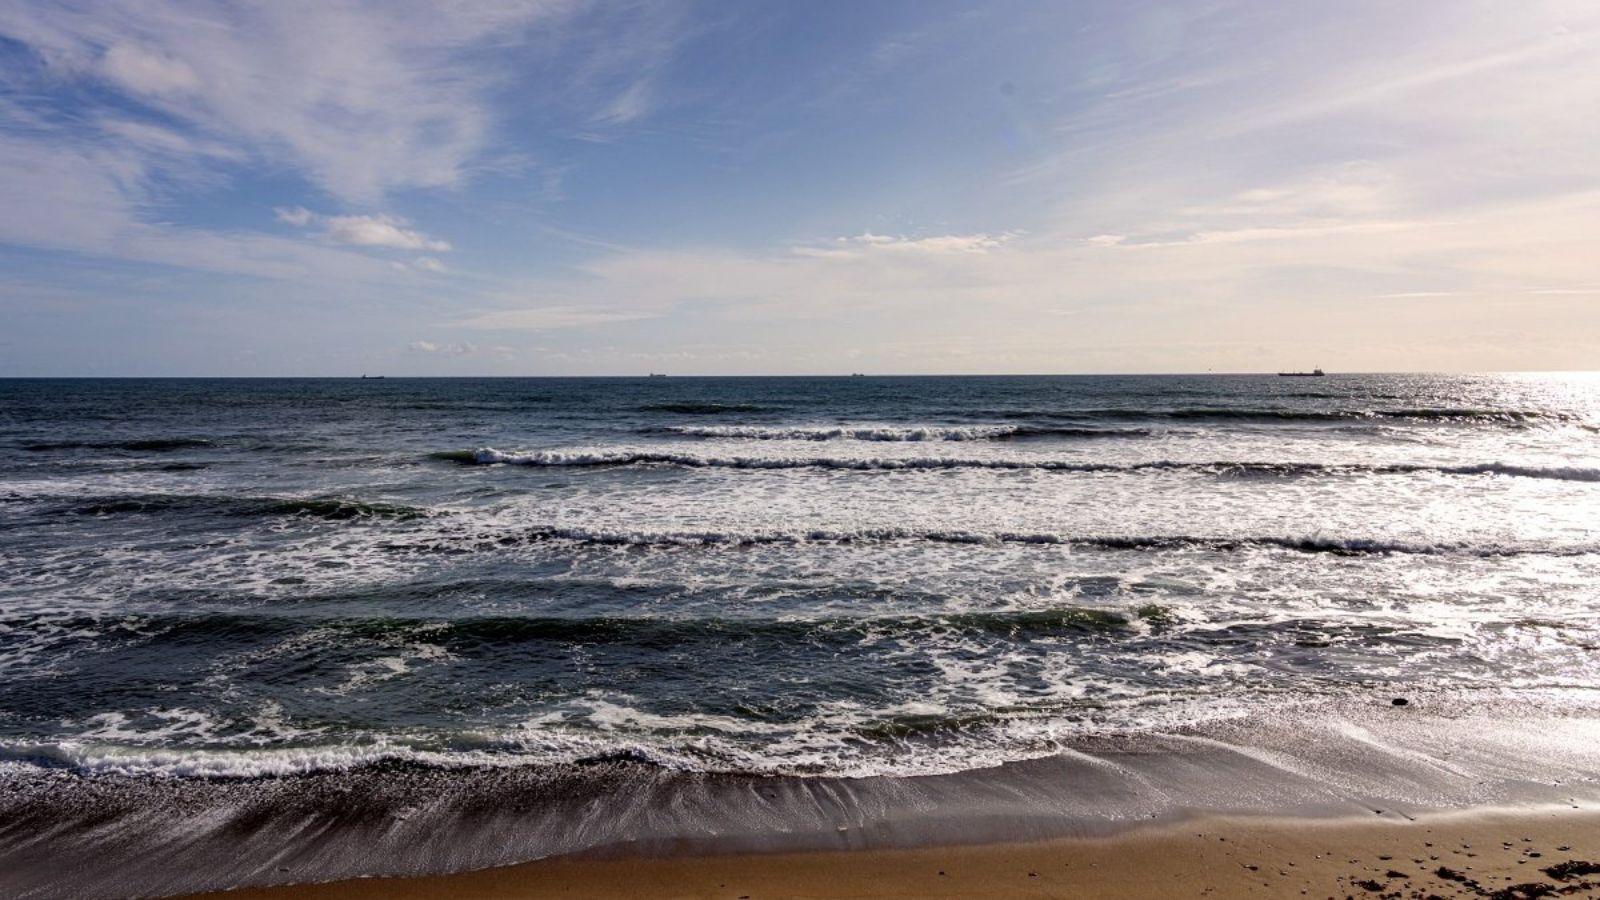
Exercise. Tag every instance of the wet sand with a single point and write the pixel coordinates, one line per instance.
(1494, 853)
(1313, 800)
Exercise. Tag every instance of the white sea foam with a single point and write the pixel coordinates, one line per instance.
(848, 432)
(603, 457)
(1280, 554)
(1171, 542)
(1559, 473)
(405, 659)
(162, 726)
(828, 744)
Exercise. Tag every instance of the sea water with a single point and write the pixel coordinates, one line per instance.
(791, 576)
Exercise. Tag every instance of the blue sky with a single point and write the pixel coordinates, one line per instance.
(565, 187)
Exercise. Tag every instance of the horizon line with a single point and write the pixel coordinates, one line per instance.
(846, 375)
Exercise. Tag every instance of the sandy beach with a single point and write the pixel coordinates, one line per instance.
(1495, 853)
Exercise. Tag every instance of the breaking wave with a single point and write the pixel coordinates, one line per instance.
(600, 458)
(1302, 544)
(1461, 415)
(898, 434)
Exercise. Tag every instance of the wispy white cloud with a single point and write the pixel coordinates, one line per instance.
(632, 103)
(144, 71)
(380, 231)
(1584, 291)
(1050, 301)
(620, 81)
(86, 198)
(865, 243)
(65, 197)
(377, 231)
(162, 140)
(362, 97)
(549, 318)
(297, 216)
(458, 349)
(425, 264)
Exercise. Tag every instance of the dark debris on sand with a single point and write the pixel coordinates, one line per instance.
(1571, 869)
(1565, 883)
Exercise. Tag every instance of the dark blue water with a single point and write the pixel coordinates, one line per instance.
(779, 575)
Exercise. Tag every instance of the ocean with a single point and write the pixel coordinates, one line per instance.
(214, 586)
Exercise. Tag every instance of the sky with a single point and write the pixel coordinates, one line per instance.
(563, 187)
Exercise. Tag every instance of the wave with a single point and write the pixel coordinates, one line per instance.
(380, 756)
(1464, 415)
(891, 433)
(1302, 544)
(480, 631)
(1559, 473)
(147, 445)
(334, 508)
(88, 759)
(603, 458)
(703, 409)
(547, 752)
(508, 405)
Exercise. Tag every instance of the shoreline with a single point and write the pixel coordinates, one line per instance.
(1312, 771)
(1494, 852)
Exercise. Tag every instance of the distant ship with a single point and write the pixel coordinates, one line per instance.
(371, 377)
(857, 375)
(658, 374)
(1314, 373)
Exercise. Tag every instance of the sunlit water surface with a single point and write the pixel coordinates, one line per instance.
(807, 576)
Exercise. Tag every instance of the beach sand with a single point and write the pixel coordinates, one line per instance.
(1501, 853)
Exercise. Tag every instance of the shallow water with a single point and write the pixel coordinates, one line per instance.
(819, 577)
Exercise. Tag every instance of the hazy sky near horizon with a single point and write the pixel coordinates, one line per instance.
(917, 186)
